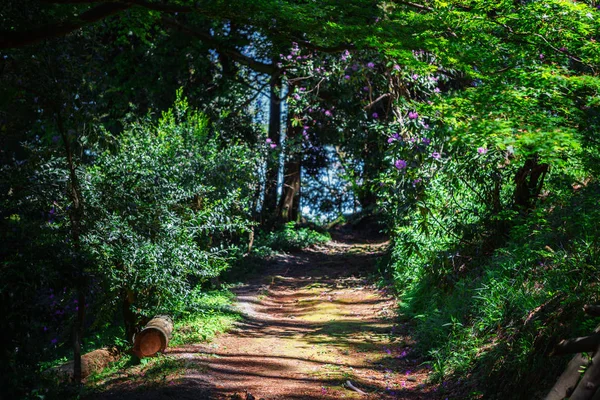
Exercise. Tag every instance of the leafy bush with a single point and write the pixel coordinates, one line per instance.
(290, 238)
(164, 207)
(490, 292)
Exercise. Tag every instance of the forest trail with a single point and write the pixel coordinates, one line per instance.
(311, 322)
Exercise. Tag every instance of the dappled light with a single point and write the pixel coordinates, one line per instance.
(285, 199)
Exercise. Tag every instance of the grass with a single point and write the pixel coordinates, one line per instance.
(209, 314)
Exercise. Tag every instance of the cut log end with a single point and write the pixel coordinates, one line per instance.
(154, 337)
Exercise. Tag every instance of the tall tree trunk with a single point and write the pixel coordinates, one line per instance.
(289, 204)
(272, 173)
(75, 217)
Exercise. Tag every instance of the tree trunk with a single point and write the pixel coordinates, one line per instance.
(272, 173)
(75, 218)
(289, 204)
(129, 317)
(529, 181)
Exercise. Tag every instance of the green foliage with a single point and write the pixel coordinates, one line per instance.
(206, 314)
(491, 311)
(164, 206)
(291, 238)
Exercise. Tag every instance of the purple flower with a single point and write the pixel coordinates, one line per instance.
(347, 77)
(289, 57)
(302, 89)
(328, 113)
(436, 155)
(426, 141)
(396, 67)
(563, 49)
(415, 77)
(541, 56)
(355, 67)
(391, 140)
(371, 65)
(306, 127)
(375, 115)
(54, 341)
(273, 145)
(400, 164)
(413, 115)
(482, 150)
(268, 140)
(436, 90)
(414, 183)
(297, 96)
(366, 88)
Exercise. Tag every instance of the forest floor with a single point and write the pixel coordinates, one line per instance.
(312, 322)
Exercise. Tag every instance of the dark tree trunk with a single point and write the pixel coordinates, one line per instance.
(129, 317)
(289, 204)
(272, 174)
(372, 156)
(75, 217)
(529, 181)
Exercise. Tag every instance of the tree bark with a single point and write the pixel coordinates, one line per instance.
(568, 380)
(272, 174)
(577, 345)
(75, 219)
(289, 205)
(589, 382)
(129, 317)
(529, 181)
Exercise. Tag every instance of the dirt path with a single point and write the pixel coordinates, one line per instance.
(311, 324)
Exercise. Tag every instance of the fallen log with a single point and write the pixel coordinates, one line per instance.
(154, 337)
(91, 363)
(589, 382)
(568, 380)
(593, 310)
(583, 344)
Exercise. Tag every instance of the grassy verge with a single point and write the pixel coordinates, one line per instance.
(207, 315)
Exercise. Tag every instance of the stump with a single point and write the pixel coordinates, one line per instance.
(154, 337)
(91, 363)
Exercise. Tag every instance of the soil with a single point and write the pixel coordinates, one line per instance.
(313, 327)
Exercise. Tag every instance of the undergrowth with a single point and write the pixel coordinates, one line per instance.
(486, 317)
(289, 238)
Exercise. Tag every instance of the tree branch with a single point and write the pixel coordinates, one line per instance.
(14, 39)
(235, 54)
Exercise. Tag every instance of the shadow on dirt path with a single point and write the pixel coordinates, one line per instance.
(311, 323)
